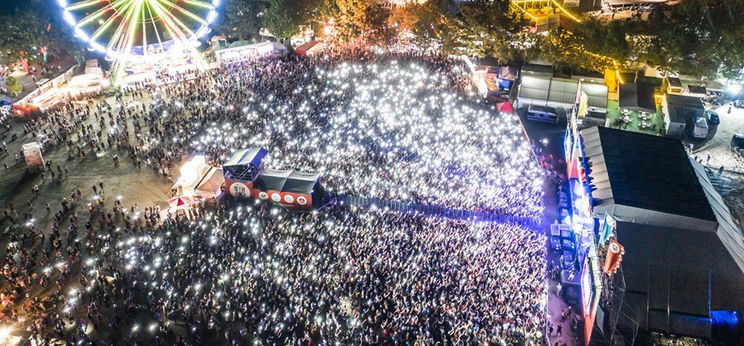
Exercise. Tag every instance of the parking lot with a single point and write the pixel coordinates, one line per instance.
(718, 143)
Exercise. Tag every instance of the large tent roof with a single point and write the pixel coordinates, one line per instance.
(242, 157)
(287, 181)
(543, 90)
(728, 231)
(646, 179)
(675, 227)
(597, 94)
(210, 184)
(637, 96)
(705, 269)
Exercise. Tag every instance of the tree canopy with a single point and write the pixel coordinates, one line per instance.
(241, 18)
(697, 37)
(283, 18)
(25, 31)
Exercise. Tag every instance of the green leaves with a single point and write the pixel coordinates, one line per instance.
(241, 18)
(13, 85)
(283, 18)
(37, 25)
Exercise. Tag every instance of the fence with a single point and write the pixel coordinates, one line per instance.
(432, 210)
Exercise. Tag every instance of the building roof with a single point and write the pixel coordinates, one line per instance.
(537, 70)
(646, 179)
(549, 90)
(637, 96)
(685, 101)
(597, 94)
(681, 108)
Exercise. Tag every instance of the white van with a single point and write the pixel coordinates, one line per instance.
(700, 129)
(542, 113)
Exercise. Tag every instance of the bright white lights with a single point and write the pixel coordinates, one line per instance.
(211, 16)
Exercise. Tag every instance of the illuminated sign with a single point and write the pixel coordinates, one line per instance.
(609, 228)
(615, 254)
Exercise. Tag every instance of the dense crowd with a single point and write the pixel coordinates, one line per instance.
(391, 126)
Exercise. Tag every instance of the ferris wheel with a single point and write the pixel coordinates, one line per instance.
(125, 28)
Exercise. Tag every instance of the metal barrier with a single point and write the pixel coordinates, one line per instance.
(432, 210)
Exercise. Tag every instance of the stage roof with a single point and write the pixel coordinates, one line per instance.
(301, 182)
(242, 157)
(676, 229)
(287, 181)
(646, 179)
(272, 179)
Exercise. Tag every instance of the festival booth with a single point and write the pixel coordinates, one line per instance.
(245, 176)
(310, 48)
(288, 188)
(247, 52)
(198, 182)
(45, 96)
(242, 169)
(86, 84)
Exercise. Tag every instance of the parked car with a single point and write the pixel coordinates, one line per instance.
(739, 103)
(713, 117)
(700, 128)
(542, 113)
(713, 100)
(737, 143)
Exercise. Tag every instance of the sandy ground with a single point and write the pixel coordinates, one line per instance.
(142, 187)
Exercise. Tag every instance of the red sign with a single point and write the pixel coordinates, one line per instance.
(615, 254)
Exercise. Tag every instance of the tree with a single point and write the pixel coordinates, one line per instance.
(350, 17)
(405, 17)
(13, 85)
(696, 37)
(283, 18)
(241, 18)
(19, 35)
(484, 28)
(27, 30)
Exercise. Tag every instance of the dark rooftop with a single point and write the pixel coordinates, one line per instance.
(654, 173)
(637, 96)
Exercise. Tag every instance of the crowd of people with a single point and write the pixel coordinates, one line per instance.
(392, 126)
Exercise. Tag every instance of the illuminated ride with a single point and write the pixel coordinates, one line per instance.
(132, 31)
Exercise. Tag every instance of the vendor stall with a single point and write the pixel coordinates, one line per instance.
(310, 48)
(246, 52)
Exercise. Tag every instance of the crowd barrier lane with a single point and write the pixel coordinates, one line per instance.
(433, 210)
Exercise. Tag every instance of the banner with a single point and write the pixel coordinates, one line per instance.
(608, 229)
(32, 154)
(614, 256)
